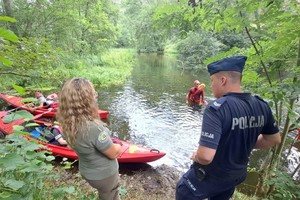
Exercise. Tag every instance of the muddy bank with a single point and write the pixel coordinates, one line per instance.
(137, 182)
(150, 183)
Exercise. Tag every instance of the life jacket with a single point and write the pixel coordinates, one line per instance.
(50, 136)
(54, 105)
(52, 96)
(195, 95)
(51, 100)
(58, 128)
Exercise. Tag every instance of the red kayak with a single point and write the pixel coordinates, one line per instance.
(16, 101)
(131, 153)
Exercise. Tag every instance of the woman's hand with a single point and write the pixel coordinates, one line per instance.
(113, 151)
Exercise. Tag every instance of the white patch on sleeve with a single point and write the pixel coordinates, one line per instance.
(103, 137)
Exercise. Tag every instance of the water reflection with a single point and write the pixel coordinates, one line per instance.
(151, 108)
(162, 123)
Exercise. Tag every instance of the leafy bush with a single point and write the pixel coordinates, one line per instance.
(23, 168)
(197, 47)
(32, 62)
(284, 187)
(26, 171)
(111, 68)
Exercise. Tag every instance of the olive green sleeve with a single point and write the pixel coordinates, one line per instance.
(100, 137)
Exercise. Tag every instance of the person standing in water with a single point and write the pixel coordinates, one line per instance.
(90, 139)
(195, 96)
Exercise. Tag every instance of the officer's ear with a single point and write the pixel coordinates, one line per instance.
(224, 80)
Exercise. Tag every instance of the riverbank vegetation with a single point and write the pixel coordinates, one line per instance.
(43, 43)
(26, 174)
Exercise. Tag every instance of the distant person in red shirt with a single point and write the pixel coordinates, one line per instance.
(195, 96)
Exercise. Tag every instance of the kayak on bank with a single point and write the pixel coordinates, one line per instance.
(131, 153)
(18, 102)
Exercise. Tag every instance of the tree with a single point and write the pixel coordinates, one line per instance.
(77, 26)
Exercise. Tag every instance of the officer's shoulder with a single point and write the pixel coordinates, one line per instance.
(217, 104)
(260, 99)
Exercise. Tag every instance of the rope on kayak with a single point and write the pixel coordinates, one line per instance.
(153, 150)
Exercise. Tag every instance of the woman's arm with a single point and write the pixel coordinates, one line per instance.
(113, 151)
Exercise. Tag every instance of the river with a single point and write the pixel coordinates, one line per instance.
(150, 110)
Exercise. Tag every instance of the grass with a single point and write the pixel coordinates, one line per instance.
(111, 68)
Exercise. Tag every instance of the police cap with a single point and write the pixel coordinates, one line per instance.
(235, 63)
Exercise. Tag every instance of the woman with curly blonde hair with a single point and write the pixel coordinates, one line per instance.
(90, 139)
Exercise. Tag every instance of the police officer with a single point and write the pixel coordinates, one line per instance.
(233, 125)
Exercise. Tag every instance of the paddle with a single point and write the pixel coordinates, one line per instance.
(17, 108)
(39, 115)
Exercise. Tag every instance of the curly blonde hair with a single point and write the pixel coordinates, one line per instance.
(77, 106)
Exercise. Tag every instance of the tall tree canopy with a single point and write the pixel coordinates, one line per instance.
(79, 26)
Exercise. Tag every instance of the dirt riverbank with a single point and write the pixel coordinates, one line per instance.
(137, 182)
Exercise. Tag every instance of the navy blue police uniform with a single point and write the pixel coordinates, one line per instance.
(231, 125)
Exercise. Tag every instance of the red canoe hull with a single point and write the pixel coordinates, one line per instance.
(131, 153)
(16, 101)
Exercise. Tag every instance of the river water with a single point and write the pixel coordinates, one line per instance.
(150, 110)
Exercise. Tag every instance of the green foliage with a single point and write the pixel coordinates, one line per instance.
(29, 54)
(20, 114)
(22, 168)
(148, 38)
(26, 171)
(6, 34)
(180, 21)
(9, 36)
(138, 28)
(8, 19)
(111, 68)
(240, 196)
(231, 52)
(177, 17)
(76, 26)
(19, 89)
(197, 47)
(230, 40)
(32, 59)
(59, 192)
(285, 187)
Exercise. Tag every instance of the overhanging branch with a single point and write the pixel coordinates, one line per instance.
(13, 73)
